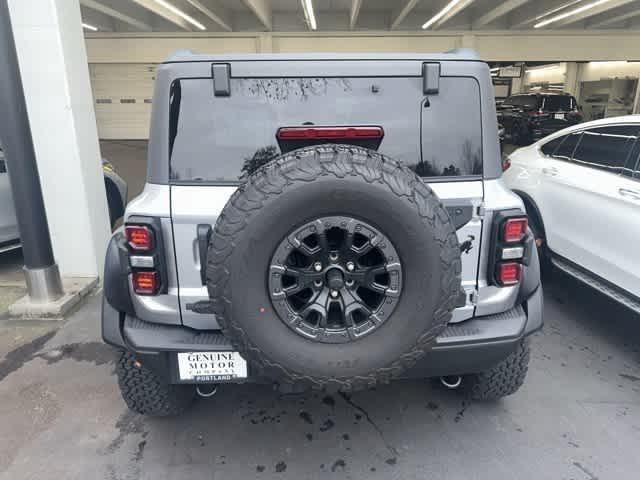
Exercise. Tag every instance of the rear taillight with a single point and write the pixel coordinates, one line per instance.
(145, 282)
(330, 133)
(139, 238)
(146, 255)
(506, 163)
(514, 229)
(509, 249)
(508, 273)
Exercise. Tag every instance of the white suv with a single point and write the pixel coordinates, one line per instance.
(581, 188)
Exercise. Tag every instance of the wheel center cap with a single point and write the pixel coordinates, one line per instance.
(335, 279)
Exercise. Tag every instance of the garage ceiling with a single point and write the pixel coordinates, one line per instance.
(339, 15)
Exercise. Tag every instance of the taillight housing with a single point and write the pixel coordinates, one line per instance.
(146, 257)
(145, 282)
(514, 229)
(139, 238)
(509, 249)
(508, 273)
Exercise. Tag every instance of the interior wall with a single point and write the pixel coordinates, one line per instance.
(492, 46)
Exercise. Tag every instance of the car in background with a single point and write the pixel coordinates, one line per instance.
(531, 116)
(581, 189)
(115, 186)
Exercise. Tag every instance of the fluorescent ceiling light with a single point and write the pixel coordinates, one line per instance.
(570, 13)
(542, 69)
(89, 27)
(557, 9)
(440, 14)
(309, 15)
(609, 63)
(181, 14)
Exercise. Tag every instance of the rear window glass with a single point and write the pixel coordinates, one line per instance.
(529, 101)
(215, 139)
(556, 103)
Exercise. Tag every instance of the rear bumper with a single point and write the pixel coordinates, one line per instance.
(468, 347)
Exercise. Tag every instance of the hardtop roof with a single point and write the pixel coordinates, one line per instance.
(461, 54)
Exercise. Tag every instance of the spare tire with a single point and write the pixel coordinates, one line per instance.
(333, 266)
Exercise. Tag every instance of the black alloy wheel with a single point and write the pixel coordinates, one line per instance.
(335, 279)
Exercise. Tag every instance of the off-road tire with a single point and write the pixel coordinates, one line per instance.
(145, 393)
(293, 173)
(503, 379)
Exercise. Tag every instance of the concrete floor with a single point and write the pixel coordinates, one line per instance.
(577, 417)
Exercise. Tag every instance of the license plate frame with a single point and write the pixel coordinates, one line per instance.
(209, 367)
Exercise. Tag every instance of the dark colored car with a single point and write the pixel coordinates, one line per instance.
(529, 117)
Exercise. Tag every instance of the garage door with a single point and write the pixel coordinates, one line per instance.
(122, 96)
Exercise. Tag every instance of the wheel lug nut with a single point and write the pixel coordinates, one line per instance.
(334, 293)
(317, 266)
(350, 266)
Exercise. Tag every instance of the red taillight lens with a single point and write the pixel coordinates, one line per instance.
(514, 229)
(329, 133)
(508, 273)
(506, 163)
(145, 282)
(139, 238)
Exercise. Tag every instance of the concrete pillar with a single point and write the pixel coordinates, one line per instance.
(571, 78)
(55, 75)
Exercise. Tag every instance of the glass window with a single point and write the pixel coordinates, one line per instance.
(632, 168)
(550, 147)
(451, 143)
(558, 103)
(606, 148)
(528, 101)
(568, 145)
(217, 139)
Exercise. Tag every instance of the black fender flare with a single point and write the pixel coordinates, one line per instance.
(530, 202)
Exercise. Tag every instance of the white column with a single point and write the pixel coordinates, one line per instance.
(55, 75)
(572, 78)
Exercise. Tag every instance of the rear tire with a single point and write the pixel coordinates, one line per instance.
(503, 379)
(146, 393)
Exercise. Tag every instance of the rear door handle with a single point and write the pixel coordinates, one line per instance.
(625, 192)
(551, 171)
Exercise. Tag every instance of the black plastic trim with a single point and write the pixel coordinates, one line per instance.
(116, 275)
(203, 232)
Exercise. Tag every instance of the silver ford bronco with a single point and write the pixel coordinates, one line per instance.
(323, 221)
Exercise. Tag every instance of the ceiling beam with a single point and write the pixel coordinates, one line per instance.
(219, 16)
(410, 5)
(616, 19)
(355, 11)
(99, 7)
(502, 9)
(540, 11)
(456, 9)
(262, 10)
(157, 9)
(597, 10)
